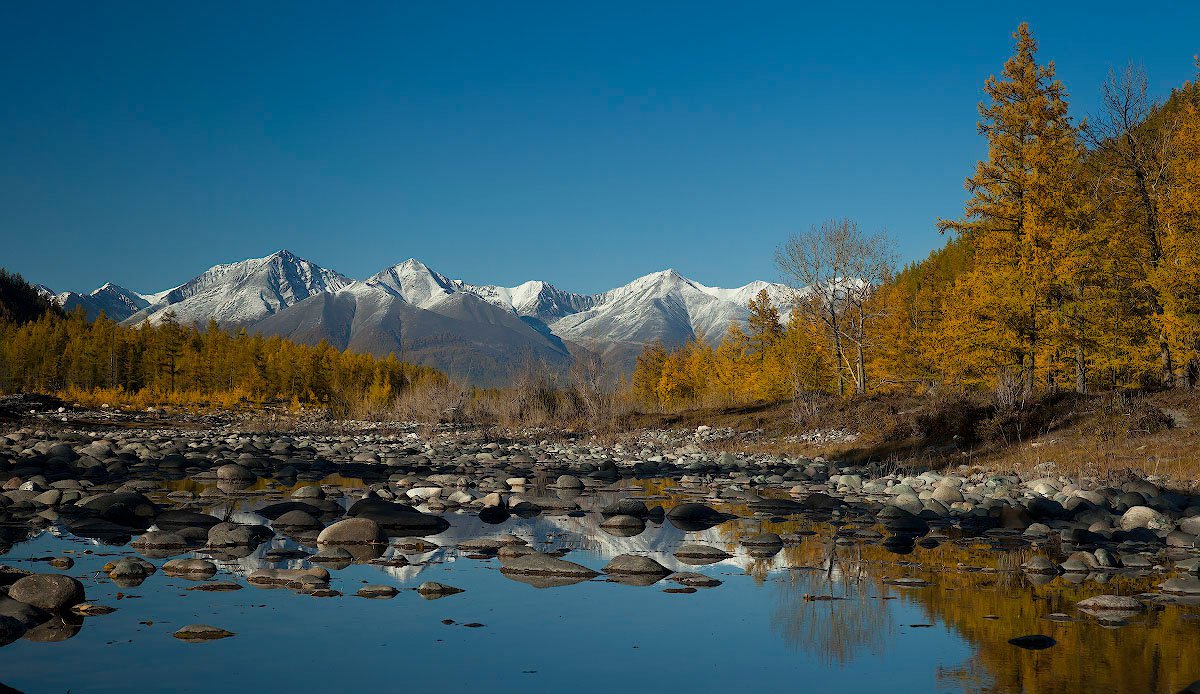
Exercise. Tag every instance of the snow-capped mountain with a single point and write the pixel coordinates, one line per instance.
(479, 333)
(414, 282)
(243, 292)
(117, 302)
(660, 306)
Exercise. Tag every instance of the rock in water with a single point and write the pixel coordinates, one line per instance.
(377, 592)
(698, 555)
(190, 568)
(432, 590)
(538, 564)
(201, 632)
(51, 592)
(632, 564)
(1116, 603)
(1033, 642)
(352, 531)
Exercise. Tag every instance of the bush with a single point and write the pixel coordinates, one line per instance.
(1123, 415)
(952, 416)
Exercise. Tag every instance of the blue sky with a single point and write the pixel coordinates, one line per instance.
(582, 144)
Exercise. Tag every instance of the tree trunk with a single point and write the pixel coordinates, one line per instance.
(1080, 370)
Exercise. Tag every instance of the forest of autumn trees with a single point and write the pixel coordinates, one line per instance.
(101, 361)
(1075, 265)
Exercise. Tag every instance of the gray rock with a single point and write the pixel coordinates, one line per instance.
(235, 473)
(635, 564)
(698, 555)
(202, 632)
(1117, 603)
(433, 590)
(694, 580)
(237, 535)
(538, 564)
(190, 568)
(50, 592)
(377, 592)
(1145, 517)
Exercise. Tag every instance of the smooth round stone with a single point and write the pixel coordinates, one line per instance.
(377, 592)
(51, 592)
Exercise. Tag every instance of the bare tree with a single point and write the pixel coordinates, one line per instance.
(1135, 156)
(833, 269)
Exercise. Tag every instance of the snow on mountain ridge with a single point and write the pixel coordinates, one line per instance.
(245, 291)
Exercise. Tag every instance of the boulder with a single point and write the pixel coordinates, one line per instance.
(190, 568)
(1145, 517)
(538, 564)
(433, 590)
(698, 555)
(352, 531)
(377, 592)
(1116, 603)
(50, 592)
(635, 564)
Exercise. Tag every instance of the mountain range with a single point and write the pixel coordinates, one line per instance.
(480, 334)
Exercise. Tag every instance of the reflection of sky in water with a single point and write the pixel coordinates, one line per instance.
(755, 632)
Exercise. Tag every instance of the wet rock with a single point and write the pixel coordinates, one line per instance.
(695, 512)
(313, 576)
(820, 501)
(634, 564)
(158, 540)
(237, 535)
(201, 632)
(626, 507)
(414, 545)
(176, 520)
(91, 609)
(493, 515)
(195, 569)
(698, 555)
(352, 531)
(62, 562)
(397, 519)
(1186, 584)
(480, 545)
(310, 491)
(334, 556)
(694, 580)
(128, 509)
(130, 569)
(50, 592)
(1039, 565)
(432, 590)
(1119, 603)
(377, 592)
(233, 472)
(901, 521)
(537, 564)
(627, 526)
(1033, 642)
(568, 482)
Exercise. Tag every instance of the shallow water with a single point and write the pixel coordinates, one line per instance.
(759, 630)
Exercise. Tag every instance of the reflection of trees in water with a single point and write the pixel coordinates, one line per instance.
(834, 631)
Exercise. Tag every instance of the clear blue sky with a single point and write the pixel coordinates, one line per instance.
(583, 144)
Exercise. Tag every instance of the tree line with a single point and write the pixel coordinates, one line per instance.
(102, 361)
(1074, 266)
